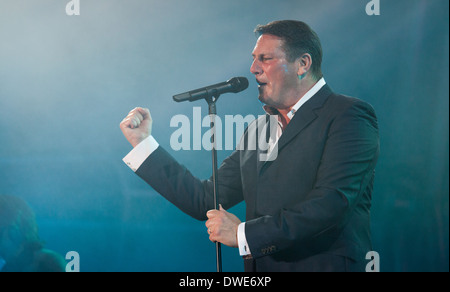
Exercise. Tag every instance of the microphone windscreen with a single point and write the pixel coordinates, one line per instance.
(238, 84)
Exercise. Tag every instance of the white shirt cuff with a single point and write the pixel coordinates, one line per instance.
(242, 241)
(140, 153)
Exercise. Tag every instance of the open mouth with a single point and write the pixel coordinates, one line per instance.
(260, 84)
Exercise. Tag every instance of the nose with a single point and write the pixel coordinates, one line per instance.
(255, 68)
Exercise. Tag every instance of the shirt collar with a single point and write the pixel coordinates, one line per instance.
(321, 83)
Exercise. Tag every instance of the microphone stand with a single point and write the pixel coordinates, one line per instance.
(211, 95)
(211, 100)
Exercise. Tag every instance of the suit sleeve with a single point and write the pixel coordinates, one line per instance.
(190, 194)
(345, 171)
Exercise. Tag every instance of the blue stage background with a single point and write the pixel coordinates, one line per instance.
(66, 82)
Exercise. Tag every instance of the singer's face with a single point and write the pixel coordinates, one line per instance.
(277, 78)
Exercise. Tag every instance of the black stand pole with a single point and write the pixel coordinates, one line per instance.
(212, 114)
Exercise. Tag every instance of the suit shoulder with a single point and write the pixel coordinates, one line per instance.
(342, 103)
(347, 100)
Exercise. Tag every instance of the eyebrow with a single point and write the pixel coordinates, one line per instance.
(261, 55)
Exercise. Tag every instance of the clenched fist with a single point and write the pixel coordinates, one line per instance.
(137, 126)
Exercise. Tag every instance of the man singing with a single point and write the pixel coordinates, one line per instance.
(306, 210)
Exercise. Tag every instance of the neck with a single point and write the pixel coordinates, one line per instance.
(303, 87)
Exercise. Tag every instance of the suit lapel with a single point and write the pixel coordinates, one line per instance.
(304, 116)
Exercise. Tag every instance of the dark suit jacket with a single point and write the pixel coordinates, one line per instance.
(309, 209)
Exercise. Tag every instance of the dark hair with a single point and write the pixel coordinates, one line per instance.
(298, 39)
(17, 215)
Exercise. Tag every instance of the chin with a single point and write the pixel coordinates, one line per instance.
(261, 99)
(264, 100)
(267, 101)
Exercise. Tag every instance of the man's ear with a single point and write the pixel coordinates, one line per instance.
(304, 65)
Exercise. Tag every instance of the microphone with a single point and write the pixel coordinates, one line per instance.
(234, 85)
